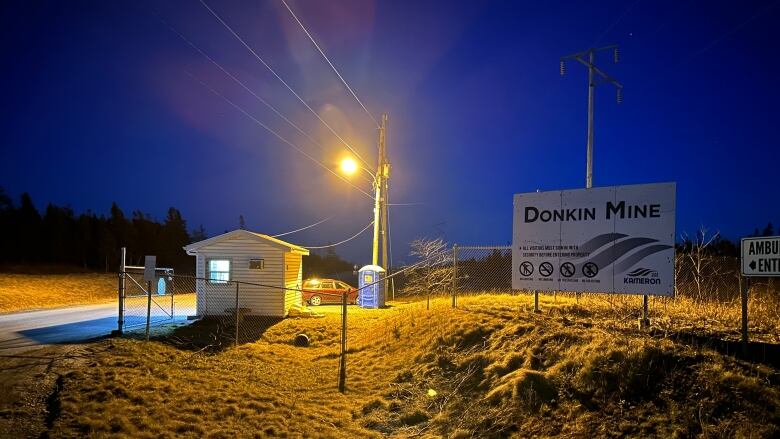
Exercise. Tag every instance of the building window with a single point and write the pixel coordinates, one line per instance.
(219, 270)
(256, 264)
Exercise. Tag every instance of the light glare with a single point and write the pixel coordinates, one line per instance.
(348, 166)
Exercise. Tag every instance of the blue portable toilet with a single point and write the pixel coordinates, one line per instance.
(371, 285)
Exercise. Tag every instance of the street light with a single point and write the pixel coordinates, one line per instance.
(348, 166)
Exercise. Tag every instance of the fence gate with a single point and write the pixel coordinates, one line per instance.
(160, 301)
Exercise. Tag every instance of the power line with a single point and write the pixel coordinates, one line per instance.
(615, 23)
(344, 241)
(304, 228)
(241, 40)
(234, 105)
(717, 40)
(330, 63)
(238, 81)
(406, 204)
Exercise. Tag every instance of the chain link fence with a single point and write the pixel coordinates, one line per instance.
(217, 313)
(166, 299)
(220, 314)
(707, 288)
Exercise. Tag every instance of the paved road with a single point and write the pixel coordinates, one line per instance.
(61, 325)
(23, 330)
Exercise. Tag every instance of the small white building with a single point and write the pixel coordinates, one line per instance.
(254, 258)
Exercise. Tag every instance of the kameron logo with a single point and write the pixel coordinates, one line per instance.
(642, 276)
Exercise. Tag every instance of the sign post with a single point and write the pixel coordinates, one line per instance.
(760, 257)
(150, 265)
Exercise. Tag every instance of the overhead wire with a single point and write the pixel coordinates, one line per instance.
(239, 82)
(341, 242)
(406, 204)
(727, 34)
(244, 112)
(319, 49)
(304, 228)
(767, 7)
(616, 22)
(259, 58)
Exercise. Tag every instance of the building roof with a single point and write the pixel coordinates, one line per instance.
(239, 233)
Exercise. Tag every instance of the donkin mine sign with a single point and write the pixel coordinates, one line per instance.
(616, 239)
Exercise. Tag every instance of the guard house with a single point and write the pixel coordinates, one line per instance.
(244, 256)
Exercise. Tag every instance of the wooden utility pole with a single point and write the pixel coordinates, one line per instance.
(385, 192)
(380, 204)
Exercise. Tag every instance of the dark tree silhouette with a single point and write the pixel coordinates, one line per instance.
(89, 241)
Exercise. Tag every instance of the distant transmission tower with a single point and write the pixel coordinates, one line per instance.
(595, 77)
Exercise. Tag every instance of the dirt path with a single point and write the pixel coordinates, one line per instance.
(29, 387)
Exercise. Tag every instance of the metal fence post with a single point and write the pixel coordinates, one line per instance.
(148, 307)
(644, 322)
(744, 286)
(173, 291)
(237, 312)
(343, 359)
(121, 291)
(536, 302)
(454, 275)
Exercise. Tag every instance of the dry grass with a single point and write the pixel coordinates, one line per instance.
(23, 292)
(497, 369)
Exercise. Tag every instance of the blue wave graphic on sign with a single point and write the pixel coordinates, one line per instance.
(617, 250)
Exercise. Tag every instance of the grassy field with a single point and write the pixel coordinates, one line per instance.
(23, 292)
(490, 368)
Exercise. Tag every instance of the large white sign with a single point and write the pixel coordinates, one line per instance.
(607, 240)
(761, 256)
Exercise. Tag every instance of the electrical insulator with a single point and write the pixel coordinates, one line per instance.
(563, 68)
(619, 95)
(617, 55)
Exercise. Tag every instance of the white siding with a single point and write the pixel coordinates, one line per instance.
(293, 273)
(219, 299)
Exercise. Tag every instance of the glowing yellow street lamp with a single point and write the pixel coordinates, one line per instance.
(348, 166)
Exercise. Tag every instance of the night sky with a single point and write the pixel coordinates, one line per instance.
(99, 104)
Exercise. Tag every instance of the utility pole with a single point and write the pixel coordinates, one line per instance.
(385, 196)
(595, 77)
(590, 63)
(380, 215)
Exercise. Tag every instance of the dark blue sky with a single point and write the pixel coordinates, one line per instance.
(98, 106)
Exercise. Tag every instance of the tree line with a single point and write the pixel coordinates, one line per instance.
(91, 241)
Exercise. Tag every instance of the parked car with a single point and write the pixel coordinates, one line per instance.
(320, 291)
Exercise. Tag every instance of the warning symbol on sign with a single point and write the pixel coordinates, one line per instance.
(590, 269)
(545, 268)
(526, 268)
(567, 269)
